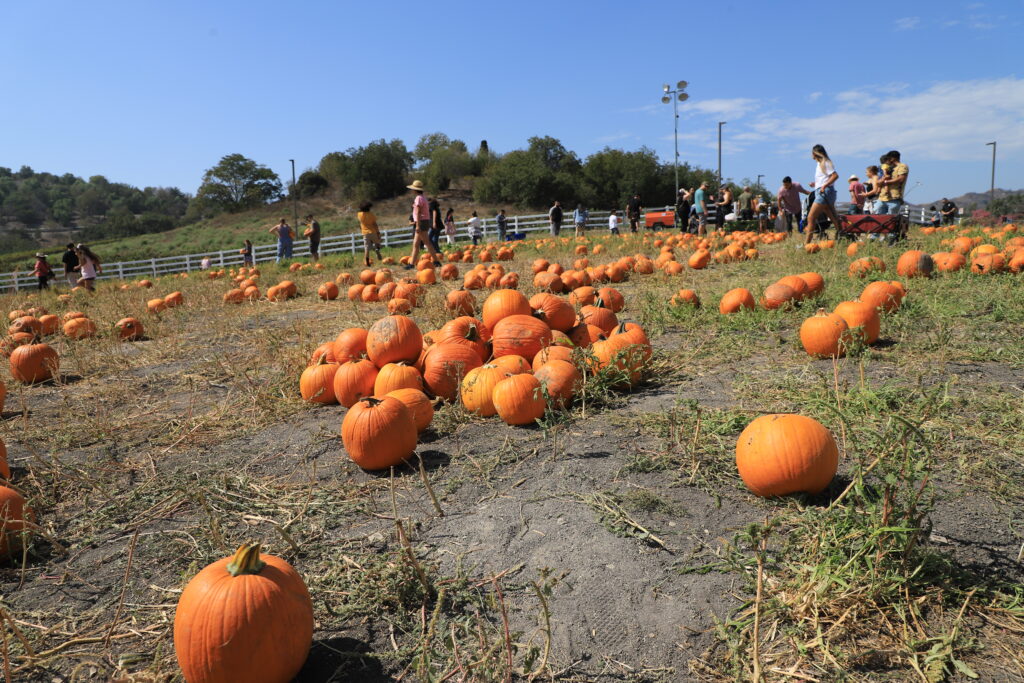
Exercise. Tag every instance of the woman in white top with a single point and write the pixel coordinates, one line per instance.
(88, 266)
(825, 177)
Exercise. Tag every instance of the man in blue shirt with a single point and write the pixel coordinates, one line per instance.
(701, 207)
(579, 219)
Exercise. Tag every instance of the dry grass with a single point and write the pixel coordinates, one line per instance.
(146, 461)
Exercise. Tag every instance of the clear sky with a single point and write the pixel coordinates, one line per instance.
(154, 93)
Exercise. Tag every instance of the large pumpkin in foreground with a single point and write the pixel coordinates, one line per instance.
(781, 454)
(244, 618)
(379, 432)
(34, 363)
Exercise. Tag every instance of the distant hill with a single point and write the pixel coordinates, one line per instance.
(971, 200)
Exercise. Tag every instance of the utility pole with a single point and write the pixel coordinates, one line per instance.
(295, 199)
(992, 187)
(759, 176)
(676, 96)
(720, 124)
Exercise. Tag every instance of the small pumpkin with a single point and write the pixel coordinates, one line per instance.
(174, 299)
(825, 335)
(354, 380)
(781, 454)
(128, 329)
(32, 363)
(379, 433)
(79, 328)
(477, 389)
(395, 376)
(247, 617)
(316, 384)
(561, 379)
(735, 300)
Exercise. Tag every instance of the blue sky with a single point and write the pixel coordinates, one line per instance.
(153, 93)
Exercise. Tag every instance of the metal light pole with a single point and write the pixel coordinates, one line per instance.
(675, 96)
(759, 176)
(720, 124)
(992, 188)
(295, 199)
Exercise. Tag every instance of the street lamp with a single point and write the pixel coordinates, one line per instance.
(295, 198)
(992, 188)
(759, 176)
(675, 97)
(720, 124)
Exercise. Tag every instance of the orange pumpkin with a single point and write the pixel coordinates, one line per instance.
(519, 399)
(316, 384)
(735, 300)
(781, 454)
(14, 516)
(521, 335)
(478, 388)
(129, 329)
(392, 339)
(512, 364)
(777, 296)
(560, 379)
(503, 303)
(395, 376)
(378, 433)
(419, 405)
(915, 263)
(32, 363)
(825, 335)
(353, 381)
(350, 344)
(862, 318)
(245, 617)
(444, 367)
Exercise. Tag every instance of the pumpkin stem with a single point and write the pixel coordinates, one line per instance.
(371, 401)
(246, 560)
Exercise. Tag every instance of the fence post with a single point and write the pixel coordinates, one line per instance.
(220, 258)
(120, 270)
(152, 264)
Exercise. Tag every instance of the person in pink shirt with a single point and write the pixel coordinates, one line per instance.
(857, 192)
(421, 225)
(790, 206)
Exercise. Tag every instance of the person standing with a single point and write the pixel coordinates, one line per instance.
(284, 235)
(449, 225)
(502, 220)
(948, 210)
(436, 223)
(700, 206)
(246, 252)
(579, 219)
(872, 188)
(421, 226)
(894, 185)
(789, 202)
(475, 228)
(634, 208)
(555, 218)
(70, 261)
(313, 233)
(857, 192)
(761, 209)
(88, 267)
(825, 177)
(745, 203)
(43, 271)
(613, 222)
(370, 232)
(684, 200)
(723, 206)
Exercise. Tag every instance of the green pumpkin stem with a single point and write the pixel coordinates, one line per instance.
(246, 560)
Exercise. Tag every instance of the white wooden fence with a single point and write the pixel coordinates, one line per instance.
(330, 244)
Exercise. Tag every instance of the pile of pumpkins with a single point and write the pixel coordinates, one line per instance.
(519, 358)
(829, 335)
(15, 517)
(788, 291)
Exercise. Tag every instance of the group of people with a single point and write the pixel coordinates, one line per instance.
(286, 239)
(81, 266)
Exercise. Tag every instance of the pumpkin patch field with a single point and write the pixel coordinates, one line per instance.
(643, 458)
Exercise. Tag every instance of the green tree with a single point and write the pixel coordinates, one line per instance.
(533, 177)
(376, 171)
(63, 210)
(443, 160)
(93, 201)
(1008, 204)
(237, 183)
(310, 183)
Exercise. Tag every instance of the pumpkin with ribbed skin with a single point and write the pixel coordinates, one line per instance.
(620, 357)
(13, 516)
(801, 289)
(379, 433)
(394, 376)
(512, 364)
(598, 316)
(561, 379)
(28, 324)
(699, 259)
(882, 295)
(32, 363)
(583, 296)
(350, 344)
(862, 318)
(552, 352)
(519, 399)
(777, 296)
(460, 302)
(520, 335)
(129, 329)
(418, 403)
(781, 454)
(248, 617)
(735, 300)
(328, 291)
(685, 297)
(988, 264)
(555, 311)
(815, 284)
(611, 298)
(48, 324)
(825, 335)
(915, 263)
(949, 262)
(354, 380)
(79, 328)
(466, 331)
(503, 303)
(478, 388)
(392, 339)
(444, 366)
(316, 383)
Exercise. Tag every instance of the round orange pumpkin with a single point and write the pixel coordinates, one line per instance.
(419, 405)
(354, 380)
(521, 335)
(316, 383)
(736, 299)
(825, 335)
(862, 318)
(392, 339)
(477, 389)
(560, 379)
(14, 517)
(444, 366)
(248, 617)
(128, 329)
(32, 363)
(378, 433)
(519, 399)
(781, 454)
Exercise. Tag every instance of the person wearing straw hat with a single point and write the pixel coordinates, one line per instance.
(43, 271)
(421, 225)
(857, 192)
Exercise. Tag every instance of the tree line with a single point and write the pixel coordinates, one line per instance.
(528, 178)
